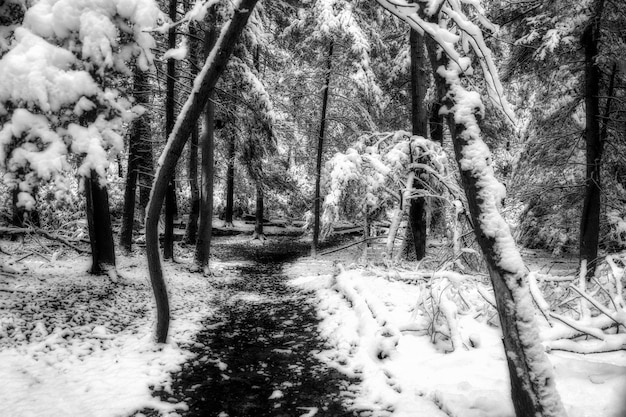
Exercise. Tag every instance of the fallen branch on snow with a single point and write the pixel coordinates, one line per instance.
(37, 231)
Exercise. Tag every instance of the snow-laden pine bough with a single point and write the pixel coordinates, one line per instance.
(447, 26)
(376, 175)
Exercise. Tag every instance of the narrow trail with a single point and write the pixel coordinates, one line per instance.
(257, 355)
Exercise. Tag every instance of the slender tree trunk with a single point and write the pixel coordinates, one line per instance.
(136, 142)
(590, 218)
(100, 230)
(230, 184)
(203, 245)
(260, 209)
(130, 192)
(416, 232)
(320, 152)
(191, 232)
(170, 196)
(213, 68)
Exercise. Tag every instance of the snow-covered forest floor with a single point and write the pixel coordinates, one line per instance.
(76, 345)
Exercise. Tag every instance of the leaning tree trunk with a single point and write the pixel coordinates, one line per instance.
(213, 68)
(532, 380)
(170, 196)
(590, 218)
(320, 152)
(416, 232)
(205, 230)
(100, 230)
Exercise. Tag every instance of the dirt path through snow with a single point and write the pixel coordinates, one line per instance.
(257, 355)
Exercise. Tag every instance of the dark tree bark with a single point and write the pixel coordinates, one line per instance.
(416, 232)
(170, 196)
(260, 209)
(203, 244)
(230, 184)
(146, 172)
(136, 152)
(100, 230)
(590, 218)
(212, 70)
(317, 203)
(191, 232)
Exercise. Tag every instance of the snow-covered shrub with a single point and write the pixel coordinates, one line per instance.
(374, 175)
(443, 300)
(58, 95)
(584, 317)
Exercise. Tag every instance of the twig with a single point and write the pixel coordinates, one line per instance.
(351, 244)
(597, 305)
(572, 324)
(48, 235)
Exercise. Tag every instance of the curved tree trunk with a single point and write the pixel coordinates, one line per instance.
(213, 68)
(317, 203)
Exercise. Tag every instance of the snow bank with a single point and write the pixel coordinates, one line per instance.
(378, 331)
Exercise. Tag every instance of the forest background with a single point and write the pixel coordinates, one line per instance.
(319, 111)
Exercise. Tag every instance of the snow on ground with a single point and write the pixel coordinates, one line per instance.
(379, 328)
(72, 344)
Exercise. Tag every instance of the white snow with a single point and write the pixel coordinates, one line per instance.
(361, 309)
(82, 346)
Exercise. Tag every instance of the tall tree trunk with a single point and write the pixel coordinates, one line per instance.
(191, 232)
(320, 152)
(260, 209)
(590, 218)
(100, 230)
(146, 171)
(170, 196)
(203, 245)
(230, 184)
(416, 232)
(135, 154)
(209, 75)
